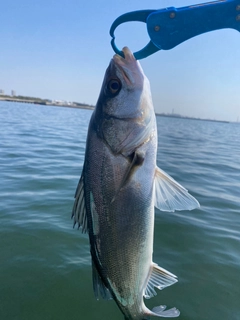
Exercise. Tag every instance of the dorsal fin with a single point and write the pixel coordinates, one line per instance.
(79, 213)
(100, 290)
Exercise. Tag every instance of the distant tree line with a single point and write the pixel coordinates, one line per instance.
(32, 98)
(82, 104)
(40, 100)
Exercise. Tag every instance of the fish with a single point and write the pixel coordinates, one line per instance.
(118, 189)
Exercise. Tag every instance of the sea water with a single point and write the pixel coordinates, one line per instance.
(45, 265)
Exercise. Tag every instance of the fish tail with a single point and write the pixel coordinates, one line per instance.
(161, 311)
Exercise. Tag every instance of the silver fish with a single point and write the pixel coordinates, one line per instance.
(118, 189)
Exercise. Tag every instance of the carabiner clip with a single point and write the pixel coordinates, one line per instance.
(169, 27)
(140, 16)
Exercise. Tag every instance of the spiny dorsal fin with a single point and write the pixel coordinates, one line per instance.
(159, 278)
(170, 195)
(79, 213)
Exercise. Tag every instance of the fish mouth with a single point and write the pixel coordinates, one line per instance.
(128, 67)
(128, 55)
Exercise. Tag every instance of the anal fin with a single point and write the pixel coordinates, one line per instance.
(159, 278)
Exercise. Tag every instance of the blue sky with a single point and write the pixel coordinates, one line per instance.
(60, 50)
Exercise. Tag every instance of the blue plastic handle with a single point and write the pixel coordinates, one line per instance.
(169, 27)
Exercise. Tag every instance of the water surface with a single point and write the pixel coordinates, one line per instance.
(45, 268)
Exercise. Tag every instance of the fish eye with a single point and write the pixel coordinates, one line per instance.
(114, 86)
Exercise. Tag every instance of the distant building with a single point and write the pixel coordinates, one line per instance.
(1, 92)
(13, 93)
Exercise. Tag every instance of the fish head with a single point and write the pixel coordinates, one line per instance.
(124, 87)
(124, 112)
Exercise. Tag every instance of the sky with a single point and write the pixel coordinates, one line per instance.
(61, 49)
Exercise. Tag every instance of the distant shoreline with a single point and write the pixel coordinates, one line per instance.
(188, 118)
(46, 102)
(78, 105)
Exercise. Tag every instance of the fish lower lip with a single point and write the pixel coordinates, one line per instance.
(125, 75)
(110, 117)
(117, 62)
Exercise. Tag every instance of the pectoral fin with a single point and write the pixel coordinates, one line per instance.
(135, 159)
(79, 213)
(170, 195)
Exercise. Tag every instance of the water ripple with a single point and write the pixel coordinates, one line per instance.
(45, 265)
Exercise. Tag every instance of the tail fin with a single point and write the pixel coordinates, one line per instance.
(161, 312)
